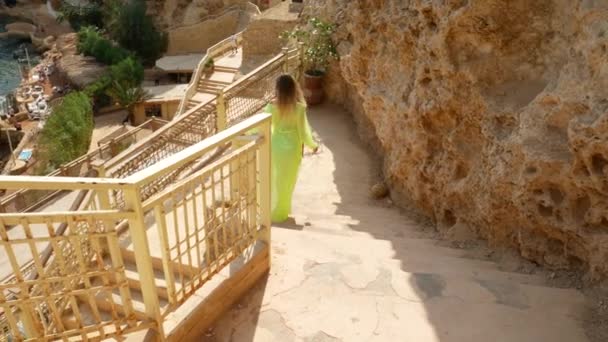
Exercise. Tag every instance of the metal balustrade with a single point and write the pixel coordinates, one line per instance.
(82, 290)
(183, 202)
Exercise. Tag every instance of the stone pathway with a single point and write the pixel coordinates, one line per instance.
(349, 268)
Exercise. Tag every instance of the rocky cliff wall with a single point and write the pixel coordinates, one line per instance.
(490, 114)
(197, 38)
(176, 13)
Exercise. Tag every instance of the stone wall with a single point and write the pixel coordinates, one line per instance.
(199, 37)
(489, 114)
(262, 37)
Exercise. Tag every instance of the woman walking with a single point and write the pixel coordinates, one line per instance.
(290, 131)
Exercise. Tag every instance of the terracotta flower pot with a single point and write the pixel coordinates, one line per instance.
(313, 88)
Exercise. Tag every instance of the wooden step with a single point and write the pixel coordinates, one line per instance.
(69, 319)
(191, 104)
(211, 86)
(139, 308)
(157, 263)
(214, 82)
(225, 69)
(209, 91)
(159, 279)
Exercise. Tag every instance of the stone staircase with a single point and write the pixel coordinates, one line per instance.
(350, 268)
(208, 87)
(114, 306)
(211, 86)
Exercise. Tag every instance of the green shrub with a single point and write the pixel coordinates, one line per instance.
(67, 132)
(92, 43)
(319, 47)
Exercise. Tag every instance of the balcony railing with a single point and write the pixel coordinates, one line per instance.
(187, 199)
(201, 223)
(169, 201)
(25, 200)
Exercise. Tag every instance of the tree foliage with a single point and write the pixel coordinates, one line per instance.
(67, 132)
(92, 43)
(128, 71)
(126, 95)
(135, 31)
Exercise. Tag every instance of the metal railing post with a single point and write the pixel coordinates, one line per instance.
(161, 225)
(143, 259)
(221, 112)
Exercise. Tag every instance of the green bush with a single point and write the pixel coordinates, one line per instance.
(135, 31)
(67, 132)
(92, 43)
(128, 71)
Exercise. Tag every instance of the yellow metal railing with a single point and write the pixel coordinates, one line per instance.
(238, 101)
(69, 267)
(25, 200)
(82, 291)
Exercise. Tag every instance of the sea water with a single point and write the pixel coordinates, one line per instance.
(9, 66)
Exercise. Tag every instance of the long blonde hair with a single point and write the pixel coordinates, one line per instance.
(288, 94)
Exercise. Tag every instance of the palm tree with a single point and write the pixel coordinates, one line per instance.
(127, 97)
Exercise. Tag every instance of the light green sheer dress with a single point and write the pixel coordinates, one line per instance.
(289, 132)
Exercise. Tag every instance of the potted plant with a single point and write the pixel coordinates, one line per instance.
(209, 67)
(319, 49)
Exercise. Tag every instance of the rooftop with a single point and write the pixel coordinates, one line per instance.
(166, 92)
(186, 63)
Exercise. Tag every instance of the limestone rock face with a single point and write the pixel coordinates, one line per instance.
(176, 13)
(488, 113)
